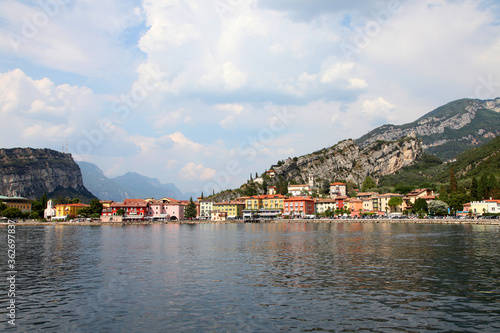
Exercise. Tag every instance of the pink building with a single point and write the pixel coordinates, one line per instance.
(168, 210)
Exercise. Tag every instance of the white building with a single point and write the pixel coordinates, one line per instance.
(50, 211)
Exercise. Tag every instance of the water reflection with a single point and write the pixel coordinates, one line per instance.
(258, 277)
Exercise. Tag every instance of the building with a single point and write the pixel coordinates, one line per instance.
(366, 195)
(20, 203)
(355, 206)
(298, 206)
(264, 206)
(304, 189)
(133, 208)
(270, 173)
(338, 190)
(486, 206)
(323, 205)
(65, 210)
(234, 209)
(271, 190)
(206, 207)
(50, 211)
(421, 193)
(218, 216)
(383, 203)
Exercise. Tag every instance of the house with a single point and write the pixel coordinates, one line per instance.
(298, 206)
(383, 203)
(218, 216)
(271, 190)
(206, 207)
(304, 189)
(366, 195)
(133, 208)
(323, 205)
(338, 190)
(486, 206)
(341, 202)
(65, 210)
(264, 206)
(270, 173)
(234, 209)
(355, 206)
(421, 193)
(20, 203)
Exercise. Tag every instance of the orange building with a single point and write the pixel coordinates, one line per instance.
(299, 206)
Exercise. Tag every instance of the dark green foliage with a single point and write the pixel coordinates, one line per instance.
(190, 211)
(395, 201)
(456, 201)
(482, 187)
(368, 184)
(420, 205)
(453, 182)
(405, 188)
(12, 213)
(473, 189)
(120, 212)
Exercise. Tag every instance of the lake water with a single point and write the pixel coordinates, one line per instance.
(297, 277)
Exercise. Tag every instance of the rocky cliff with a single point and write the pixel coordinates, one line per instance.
(349, 161)
(31, 172)
(448, 130)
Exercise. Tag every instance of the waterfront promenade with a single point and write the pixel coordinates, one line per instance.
(379, 220)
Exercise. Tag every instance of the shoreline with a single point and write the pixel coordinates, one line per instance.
(401, 221)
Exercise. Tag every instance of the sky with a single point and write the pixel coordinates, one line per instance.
(203, 93)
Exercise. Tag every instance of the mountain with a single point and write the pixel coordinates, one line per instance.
(131, 185)
(449, 129)
(30, 173)
(349, 161)
(138, 186)
(103, 187)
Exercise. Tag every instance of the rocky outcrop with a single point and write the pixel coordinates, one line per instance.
(31, 172)
(348, 161)
(448, 130)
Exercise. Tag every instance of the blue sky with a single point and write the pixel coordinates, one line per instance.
(203, 93)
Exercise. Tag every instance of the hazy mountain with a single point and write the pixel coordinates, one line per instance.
(103, 187)
(130, 185)
(449, 129)
(138, 186)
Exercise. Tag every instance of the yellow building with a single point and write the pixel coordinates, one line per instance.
(233, 209)
(63, 210)
(22, 204)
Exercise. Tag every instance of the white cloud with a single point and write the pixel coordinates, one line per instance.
(192, 171)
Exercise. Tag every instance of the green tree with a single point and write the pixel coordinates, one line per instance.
(190, 211)
(457, 200)
(325, 188)
(74, 201)
(120, 212)
(84, 211)
(493, 186)
(12, 213)
(3, 207)
(404, 188)
(420, 205)
(368, 184)
(438, 207)
(394, 202)
(443, 194)
(453, 182)
(95, 207)
(482, 187)
(473, 189)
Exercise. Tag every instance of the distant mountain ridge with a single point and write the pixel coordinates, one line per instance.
(448, 130)
(131, 185)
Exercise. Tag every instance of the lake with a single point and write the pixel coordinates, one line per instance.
(290, 277)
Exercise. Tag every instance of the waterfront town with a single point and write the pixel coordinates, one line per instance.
(299, 203)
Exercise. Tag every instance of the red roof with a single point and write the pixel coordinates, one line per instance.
(344, 184)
